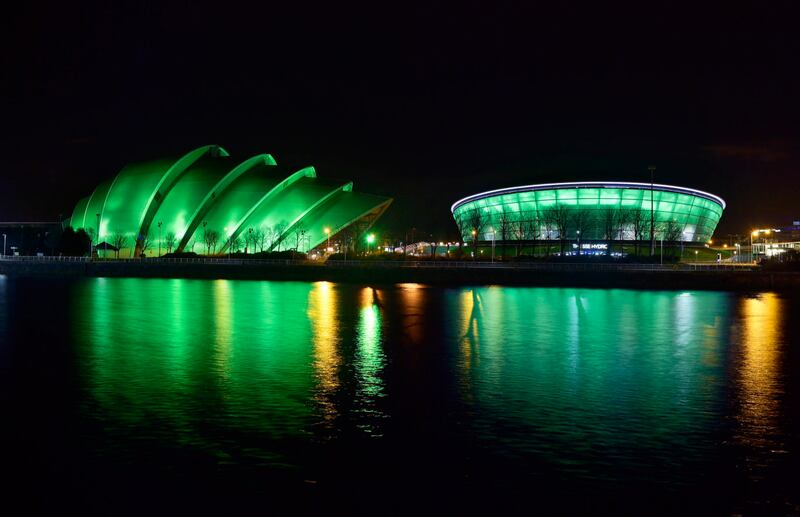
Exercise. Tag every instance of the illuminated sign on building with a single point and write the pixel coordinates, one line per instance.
(592, 246)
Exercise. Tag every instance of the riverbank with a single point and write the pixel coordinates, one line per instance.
(543, 274)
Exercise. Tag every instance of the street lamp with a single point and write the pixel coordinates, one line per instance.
(370, 240)
(474, 241)
(97, 237)
(159, 238)
(328, 234)
(579, 243)
(4, 244)
(652, 170)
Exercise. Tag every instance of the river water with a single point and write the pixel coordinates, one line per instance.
(164, 396)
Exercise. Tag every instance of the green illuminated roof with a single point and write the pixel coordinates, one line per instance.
(185, 197)
(598, 210)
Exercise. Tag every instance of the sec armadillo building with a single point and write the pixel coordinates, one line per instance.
(592, 210)
(171, 204)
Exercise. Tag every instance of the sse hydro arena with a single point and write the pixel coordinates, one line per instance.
(209, 200)
(589, 211)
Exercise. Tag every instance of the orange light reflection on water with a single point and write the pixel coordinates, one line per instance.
(322, 306)
(759, 415)
(412, 299)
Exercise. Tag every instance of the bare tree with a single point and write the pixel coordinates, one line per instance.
(119, 240)
(278, 235)
(211, 238)
(233, 243)
(533, 228)
(505, 223)
(143, 243)
(671, 232)
(265, 238)
(299, 234)
(639, 225)
(558, 219)
(476, 221)
(170, 239)
(519, 228)
(252, 238)
(623, 224)
(583, 220)
(546, 220)
(609, 222)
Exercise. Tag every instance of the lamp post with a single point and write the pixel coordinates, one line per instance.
(579, 243)
(695, 260)
(493, 236)
(652, 170)
(474, 241)
(370, 240)
(4, 244)
(159, 238)
(328, 234)
(97, 236)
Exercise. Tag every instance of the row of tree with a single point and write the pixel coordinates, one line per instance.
(253, 239)
(567, 223)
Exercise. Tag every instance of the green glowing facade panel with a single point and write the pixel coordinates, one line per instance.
(128, 198)
(76, 221)
(95, 206)
(170, 179)
(209, 199)
(283, 209)
(176, 210)
(598, 210)
(234, 202)
(206, 190)
(339, 211)
(267, 200)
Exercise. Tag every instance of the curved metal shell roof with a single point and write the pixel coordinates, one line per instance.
(206, 189)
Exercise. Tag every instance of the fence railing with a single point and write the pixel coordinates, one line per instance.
(400, 264)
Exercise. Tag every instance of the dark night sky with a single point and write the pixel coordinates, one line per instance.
(423, 103)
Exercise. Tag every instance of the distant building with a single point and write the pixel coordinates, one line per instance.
(589, 212)
(29, 238)
(772, 242)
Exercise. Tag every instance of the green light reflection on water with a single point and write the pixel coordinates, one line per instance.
(369, 361)
(571, 370)
(181, 355)
(569, 376)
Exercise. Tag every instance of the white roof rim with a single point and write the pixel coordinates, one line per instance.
(589, 184)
